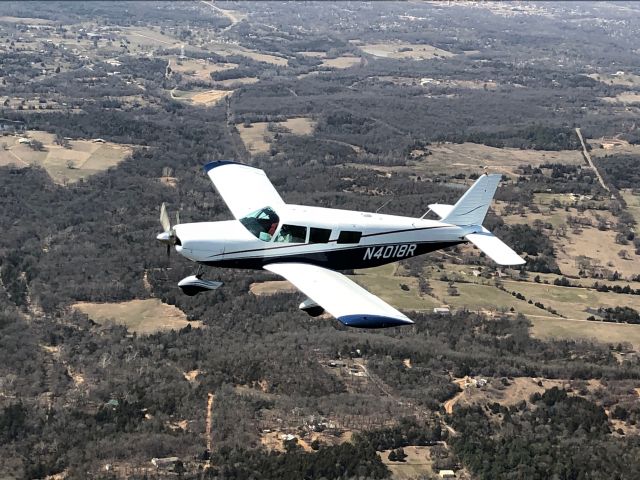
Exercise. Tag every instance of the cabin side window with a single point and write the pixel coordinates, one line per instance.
(292, 234)
(319, 235)
(349, 236)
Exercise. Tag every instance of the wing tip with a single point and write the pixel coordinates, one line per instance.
(373, 321)
(218, 163)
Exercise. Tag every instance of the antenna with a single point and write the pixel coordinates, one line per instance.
(385, 203)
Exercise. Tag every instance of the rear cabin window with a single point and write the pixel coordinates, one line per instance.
(319, 235)
(348, 236)
(292, 234)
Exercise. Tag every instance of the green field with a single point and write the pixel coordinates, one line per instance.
(562, 328)
(481, 295)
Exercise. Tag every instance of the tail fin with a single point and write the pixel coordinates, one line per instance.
(470, 210)
(474, 204)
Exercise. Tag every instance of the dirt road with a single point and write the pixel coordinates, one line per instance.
(587, 156)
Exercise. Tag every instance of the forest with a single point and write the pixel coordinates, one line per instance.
(77, 395)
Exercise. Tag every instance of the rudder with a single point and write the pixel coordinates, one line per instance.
(474, 204)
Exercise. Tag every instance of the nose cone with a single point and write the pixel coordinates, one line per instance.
(199, 241)
(164, 237)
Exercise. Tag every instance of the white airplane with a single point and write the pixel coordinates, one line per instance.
(305, 245)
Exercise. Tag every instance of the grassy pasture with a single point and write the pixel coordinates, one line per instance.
(272, 287)
(257, 137)
(468, 158)
(562, 328)
(413, 51)
(626, 80)
(598, 245)
(626, 98)
(416, 465)
(205, 98)
(198, 69)
(140, 316)
(607, 146)
(226, 49)
(481, 295)
(85, 157)
(340, 62)
(145, 39)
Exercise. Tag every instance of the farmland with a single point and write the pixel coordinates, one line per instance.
(77, 160)
(404, 50)
(257, 136)
(141, 316)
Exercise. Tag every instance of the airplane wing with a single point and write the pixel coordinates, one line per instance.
(348, 302)
(244, 189)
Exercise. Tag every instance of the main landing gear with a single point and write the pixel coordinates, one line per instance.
(195, 284)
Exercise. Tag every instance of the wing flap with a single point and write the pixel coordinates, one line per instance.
(494, 248)
(244, 189)
(344, 299)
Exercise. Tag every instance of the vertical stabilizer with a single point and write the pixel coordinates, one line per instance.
(474, 204)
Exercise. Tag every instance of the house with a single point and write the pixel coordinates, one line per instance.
(447, 474)
(442, 310)
(167, 462)
(11, 126)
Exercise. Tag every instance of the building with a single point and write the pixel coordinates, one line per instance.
(11, 126)
(442, 310)
(167, 462)
(447, 474)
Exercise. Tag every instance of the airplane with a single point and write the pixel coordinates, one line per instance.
(306, 244)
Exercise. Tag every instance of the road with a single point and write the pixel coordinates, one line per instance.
(587, 157)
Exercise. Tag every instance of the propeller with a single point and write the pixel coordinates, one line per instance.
(168, 236)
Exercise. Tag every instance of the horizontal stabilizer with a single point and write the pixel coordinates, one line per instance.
(441, 209)
(494, 248)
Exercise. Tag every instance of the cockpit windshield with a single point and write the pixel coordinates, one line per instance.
(262, 223)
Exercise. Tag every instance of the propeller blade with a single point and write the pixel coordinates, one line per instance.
(164, 218)
(177, 218)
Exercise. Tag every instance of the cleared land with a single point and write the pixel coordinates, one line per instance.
(518, 389)
(198, 69)
(65, 165)
(257, 137)
(467, 158)
(140, 316)
(417, 463)
(205, 98)
(481, 295)
(627, 98)
(559, 328)
(600, 247)
(145, 39)
(270, 288)
(226, 49)
(237, 81)
(413, 51)
(625, 79)
(633, 203)
(340, 62)
(607, 146)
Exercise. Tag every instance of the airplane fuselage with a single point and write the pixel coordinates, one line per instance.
(330, 238)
